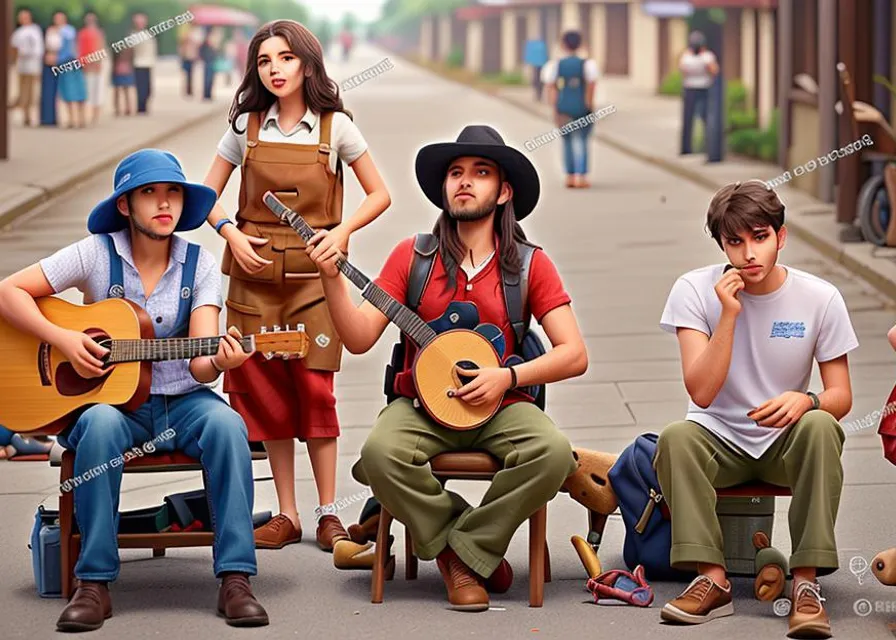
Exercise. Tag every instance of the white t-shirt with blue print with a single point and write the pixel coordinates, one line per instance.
(777, 337)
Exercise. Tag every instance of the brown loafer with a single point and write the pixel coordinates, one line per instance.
(808, 618)
(501, 579)
(277, 533)
(465, 588)
(237, 604)
(89, 607)
(329, 531)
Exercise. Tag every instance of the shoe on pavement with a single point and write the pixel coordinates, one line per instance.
(808, 619)
(237, 604)
(701, 602)
(89, 607)
(465, 588)
(329, 532)
(278, 532)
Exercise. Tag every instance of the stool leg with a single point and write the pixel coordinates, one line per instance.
(158, 553)
(381, 557)
(547, 562)
(410, 560)
(537, 545)
(66, 517)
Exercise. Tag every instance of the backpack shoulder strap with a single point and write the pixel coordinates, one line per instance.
(188, 279)
(425, 246)
(116, 271)
(516, 289)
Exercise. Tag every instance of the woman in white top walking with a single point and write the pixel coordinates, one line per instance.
(699, 68)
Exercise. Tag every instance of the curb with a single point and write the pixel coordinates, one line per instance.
(835, 252)
(11, 215)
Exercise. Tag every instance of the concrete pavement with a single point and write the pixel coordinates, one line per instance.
(619, 248)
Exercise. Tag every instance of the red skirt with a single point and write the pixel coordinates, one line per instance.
(283, 399)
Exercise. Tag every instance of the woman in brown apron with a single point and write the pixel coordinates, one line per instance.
(288, 98)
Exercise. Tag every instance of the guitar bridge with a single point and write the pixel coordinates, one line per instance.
(43, 364)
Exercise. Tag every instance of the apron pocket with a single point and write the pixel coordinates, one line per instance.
(297, 265)
(265, 251)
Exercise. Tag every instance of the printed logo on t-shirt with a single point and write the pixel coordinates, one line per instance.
(788, 330)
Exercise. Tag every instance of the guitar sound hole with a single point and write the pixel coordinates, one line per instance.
(469, 366)
(69, 382)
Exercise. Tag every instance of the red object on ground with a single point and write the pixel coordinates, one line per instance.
(887, 429)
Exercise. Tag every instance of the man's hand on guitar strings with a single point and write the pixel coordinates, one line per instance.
(487, 386)
(230, 354)
(324, 251)
(84, 354)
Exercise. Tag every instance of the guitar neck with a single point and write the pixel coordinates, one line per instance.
(161, 349)
(409, 322)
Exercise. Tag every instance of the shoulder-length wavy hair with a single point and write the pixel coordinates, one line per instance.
(452, 249)
(321, 92)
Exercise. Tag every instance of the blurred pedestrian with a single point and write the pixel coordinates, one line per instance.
(536, 56)
(188, 48)
(49, 82)
(145, 54)
(347, 39)
(91, 39)
(227, 61)
(699, 67)
(27, 42)
(72, 85)
(571, 83)
(123, 80)
(209, 55)
(242, 51)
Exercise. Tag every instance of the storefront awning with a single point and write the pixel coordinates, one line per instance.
(735, 4)
(667, 8)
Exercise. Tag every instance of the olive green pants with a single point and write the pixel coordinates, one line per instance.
(691, 463)
(394, 462)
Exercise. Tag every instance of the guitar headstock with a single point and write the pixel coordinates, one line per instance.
(288, 344)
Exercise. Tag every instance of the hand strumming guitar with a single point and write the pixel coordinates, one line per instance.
(488, 385)
(83, 353)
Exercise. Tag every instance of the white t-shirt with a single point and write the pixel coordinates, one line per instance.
(345, 137)
(776, 338)
(28, 40)
(549, 71)
(695, 69)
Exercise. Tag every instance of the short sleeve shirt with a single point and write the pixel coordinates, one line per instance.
(85, 266)
(549, 72)
(345, 137)
(29, 43)
(777, 336)
(484, 289)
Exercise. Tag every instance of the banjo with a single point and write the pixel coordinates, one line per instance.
(456, 338)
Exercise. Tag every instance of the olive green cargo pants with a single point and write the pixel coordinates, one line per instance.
(394, 462)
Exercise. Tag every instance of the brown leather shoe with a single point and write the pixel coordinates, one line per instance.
(501, 579)
(329, 530)
(237, 604)
(808, 618)
(701, 602)
(277, 533)
(89, 607)
(465, 588)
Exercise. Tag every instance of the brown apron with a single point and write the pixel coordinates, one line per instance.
(289, 290)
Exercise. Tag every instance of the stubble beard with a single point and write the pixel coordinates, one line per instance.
(149, 233)
(471, 215)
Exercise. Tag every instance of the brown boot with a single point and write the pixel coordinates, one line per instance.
(808, 618)
(277, 533)
(237, 604)
(701, 602)
(501, 579)
(465, 588)
(88, 608)
(329, 531)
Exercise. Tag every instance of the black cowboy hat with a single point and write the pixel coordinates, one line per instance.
(484, 142)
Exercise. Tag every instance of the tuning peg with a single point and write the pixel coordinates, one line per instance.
(276, 327)
(264, 330)
(285, 356)
(268, 355)
(287, 328)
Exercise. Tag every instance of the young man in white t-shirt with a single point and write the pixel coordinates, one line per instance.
(28, 43)
(748, 338)
(699, 68)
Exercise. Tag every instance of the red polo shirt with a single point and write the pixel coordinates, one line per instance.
(485, 290)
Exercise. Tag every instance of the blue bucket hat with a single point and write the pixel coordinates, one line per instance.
(148, 166)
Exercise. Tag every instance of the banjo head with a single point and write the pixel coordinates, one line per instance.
(434, 377)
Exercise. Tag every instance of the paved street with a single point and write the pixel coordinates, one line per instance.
(619, 247)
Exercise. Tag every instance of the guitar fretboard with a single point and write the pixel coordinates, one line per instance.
(160, 349)
(406, 320)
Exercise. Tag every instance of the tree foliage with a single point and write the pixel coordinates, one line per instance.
(400, 16)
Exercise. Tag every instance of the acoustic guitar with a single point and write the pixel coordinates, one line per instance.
(40, 389)
(455, 338)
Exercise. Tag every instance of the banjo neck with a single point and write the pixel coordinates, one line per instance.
(406, 320)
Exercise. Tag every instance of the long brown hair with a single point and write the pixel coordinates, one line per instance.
(452, 249)
(321, 92)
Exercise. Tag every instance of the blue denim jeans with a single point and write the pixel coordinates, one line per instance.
(694, 105)
(206, 428)
(575, 151)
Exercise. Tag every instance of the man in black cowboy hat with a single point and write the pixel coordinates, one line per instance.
(483, 188)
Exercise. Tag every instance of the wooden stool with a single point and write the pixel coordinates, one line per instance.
(467, 465)
(70, 543)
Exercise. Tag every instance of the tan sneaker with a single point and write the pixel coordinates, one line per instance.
(465, 588)
(701, 602)
(808, 619)
(277, 533)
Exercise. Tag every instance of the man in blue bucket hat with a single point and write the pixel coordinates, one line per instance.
(134, 253)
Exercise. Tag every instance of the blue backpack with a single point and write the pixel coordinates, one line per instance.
(648, 527)
(571, 85)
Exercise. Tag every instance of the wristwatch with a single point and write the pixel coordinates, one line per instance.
(816, 403)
